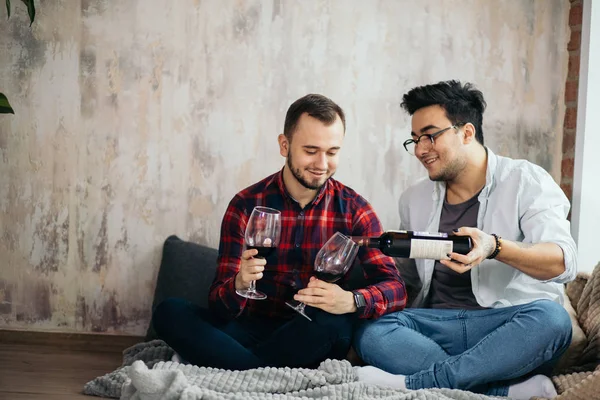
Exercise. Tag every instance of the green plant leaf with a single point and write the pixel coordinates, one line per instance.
(8, 8)
(30, 10)
(5, 107)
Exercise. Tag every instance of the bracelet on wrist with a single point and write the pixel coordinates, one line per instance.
(498, 247)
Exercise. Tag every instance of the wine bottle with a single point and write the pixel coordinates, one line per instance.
(412, 244)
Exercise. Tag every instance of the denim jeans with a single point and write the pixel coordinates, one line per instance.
(483, 351)
(243, 343)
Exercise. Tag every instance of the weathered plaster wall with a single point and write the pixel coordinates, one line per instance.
(139, 119)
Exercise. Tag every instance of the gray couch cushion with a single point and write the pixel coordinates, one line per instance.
(186, 270)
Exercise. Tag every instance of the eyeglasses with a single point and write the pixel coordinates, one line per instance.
(410, 145)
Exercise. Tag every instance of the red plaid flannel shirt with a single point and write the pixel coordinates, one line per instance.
(303, 232)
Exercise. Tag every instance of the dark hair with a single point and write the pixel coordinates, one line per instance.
(315, 105)
(462, 103)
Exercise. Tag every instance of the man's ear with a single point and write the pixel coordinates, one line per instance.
(284, 145)
(469, 133)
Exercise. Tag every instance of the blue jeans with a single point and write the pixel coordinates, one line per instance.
(483, 351)
(203, 339)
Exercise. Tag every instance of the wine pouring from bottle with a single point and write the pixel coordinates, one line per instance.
(413, 244)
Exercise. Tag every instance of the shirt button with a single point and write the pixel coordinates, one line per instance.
(297, 245)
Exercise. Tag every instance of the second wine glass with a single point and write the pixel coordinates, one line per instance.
(333, 260)
(262, 233)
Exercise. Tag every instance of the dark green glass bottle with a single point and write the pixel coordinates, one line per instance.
(412, 244)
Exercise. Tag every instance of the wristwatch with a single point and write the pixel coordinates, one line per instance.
(359, 301)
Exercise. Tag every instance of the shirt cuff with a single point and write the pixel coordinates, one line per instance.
(366, 311)
(231, 300)
(570, 260)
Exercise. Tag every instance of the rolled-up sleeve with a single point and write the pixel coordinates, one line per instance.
(545, 220)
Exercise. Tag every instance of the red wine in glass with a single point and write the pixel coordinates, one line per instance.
(333, 260)
(327, 276)
(263, 232)
(263, 251)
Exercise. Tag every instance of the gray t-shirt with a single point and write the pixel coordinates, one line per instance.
(449, 289)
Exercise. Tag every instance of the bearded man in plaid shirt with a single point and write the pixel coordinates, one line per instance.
(239, 333)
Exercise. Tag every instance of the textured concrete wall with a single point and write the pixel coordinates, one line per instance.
(138, 119)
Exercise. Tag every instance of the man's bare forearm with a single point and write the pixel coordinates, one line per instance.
(540, 260)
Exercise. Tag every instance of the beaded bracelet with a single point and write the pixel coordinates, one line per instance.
(498, 247)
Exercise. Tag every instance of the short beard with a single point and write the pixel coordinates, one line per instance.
(450, 173)
(298, 175)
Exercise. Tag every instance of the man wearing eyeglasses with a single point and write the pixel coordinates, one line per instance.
(490, 321)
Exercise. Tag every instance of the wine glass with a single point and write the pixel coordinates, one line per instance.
(262, 233)
(332, 262)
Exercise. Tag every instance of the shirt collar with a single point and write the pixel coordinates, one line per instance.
(320, 194)
(492, 162)
(439, 188)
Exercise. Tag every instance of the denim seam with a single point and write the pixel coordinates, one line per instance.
(463, 325)
(409, 378)
(413, 327)
(544, 357)
(418, 375)
(481, 342)
(438, 319)
(374, 362)
(528, 365)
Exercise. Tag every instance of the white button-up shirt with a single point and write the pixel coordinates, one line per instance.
(520, 202)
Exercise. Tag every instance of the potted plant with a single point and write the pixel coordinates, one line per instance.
(5, 107)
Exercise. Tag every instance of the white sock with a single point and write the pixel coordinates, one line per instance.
(538, 385)
(177, 358)
(370, 374)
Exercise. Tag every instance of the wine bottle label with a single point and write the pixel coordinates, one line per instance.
(431, 234)
(430, 249)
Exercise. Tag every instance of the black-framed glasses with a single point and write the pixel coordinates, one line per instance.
(426, 139)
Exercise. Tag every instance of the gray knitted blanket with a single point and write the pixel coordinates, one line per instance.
(145, 375)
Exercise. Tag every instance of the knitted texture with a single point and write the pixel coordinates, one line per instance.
(334, 379)
(148, 374)
(588, 314)
(578, 386)
(145, 375)
(575, 288)
(110, 385)
(583, 383)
